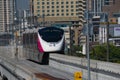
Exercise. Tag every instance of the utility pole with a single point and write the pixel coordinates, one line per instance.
(107, 39)
(31, 13)
(87, 40)
(70, 51)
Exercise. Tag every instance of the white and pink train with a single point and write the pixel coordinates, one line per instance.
(38, 43)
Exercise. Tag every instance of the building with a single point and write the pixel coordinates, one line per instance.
(6, 14)
(98, 12)
(59, 11)
(114, 34)
(97, 6)
(113, 10)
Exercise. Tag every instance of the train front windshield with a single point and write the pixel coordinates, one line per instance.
(51, 34)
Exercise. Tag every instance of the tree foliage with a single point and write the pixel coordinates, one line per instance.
(77, 51)
(100, 53)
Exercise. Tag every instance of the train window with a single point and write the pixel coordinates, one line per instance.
(51, 34)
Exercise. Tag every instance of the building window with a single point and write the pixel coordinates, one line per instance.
(38, 7)
(77, 2)
(57, 10)
(67, 10)
(67, 2)
(106, 2)
(116, 15)
(43, 3)
(62, 2)
(67, 14)
(52, 2)
(67, 6)
(47, 3)
(43, 10)
(48, 10)
(52, 14)
(62, 6)
(43, 7)
(77, 14)
(57, 6)
(38, 3)
(52, 6)
(62, 10)
(48, 14)
(48, 6)
(72, 14)
(72, 2)
(38, 14)
(72, 10)
(52, 10)
(38, 11)
(72, 6)
(58, 14)
(57, 2)
(62, 14)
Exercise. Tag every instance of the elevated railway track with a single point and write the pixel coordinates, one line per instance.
(61, 67)
(14, 69)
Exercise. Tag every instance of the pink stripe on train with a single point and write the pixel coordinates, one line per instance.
(39, 46)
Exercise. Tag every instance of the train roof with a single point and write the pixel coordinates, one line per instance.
(34, 30)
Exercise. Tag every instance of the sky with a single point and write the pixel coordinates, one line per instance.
(22, 4)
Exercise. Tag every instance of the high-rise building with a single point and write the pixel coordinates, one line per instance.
(97, 5)
(6, 14)
(103, 10)
(113, 10)
(59, 11)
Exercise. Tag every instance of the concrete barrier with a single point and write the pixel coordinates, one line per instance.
(99, 70)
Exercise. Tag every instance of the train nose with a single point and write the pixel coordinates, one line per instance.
(52, 44)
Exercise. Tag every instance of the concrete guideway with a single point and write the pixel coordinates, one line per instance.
(23, 69)
(0, 78)
(61, 67)
(100, 70)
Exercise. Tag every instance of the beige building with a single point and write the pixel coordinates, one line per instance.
(6, 14)
(58, 11)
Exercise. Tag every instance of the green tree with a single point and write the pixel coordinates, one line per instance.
(114, 54)
(100, 52)
(77, 50)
